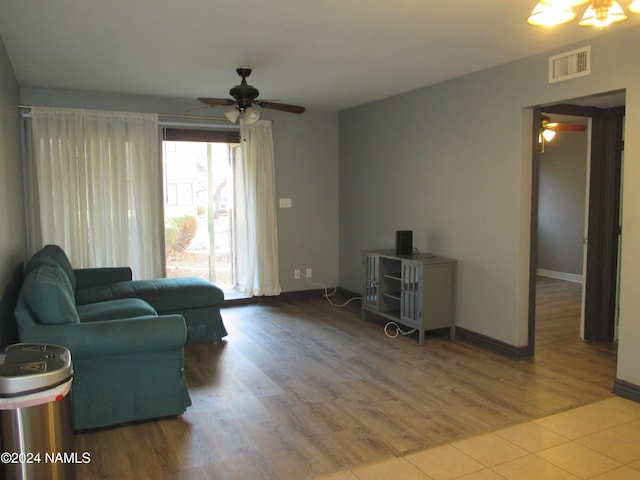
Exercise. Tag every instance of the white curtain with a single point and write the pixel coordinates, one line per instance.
(94, 187)
(257, 202)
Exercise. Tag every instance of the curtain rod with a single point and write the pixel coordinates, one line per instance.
(171, 115)
(195, 117)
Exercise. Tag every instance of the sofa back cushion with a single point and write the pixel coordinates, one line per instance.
(53, 255)
(48, 293)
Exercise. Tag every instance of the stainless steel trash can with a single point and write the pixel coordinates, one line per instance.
(35, 411)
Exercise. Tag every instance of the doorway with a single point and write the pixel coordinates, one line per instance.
(563, 172)
(602, 219)
(199, 209)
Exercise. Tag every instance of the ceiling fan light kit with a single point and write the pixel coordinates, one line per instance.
(547, 15)
(245, 97)
(233, 114)
(548, 134)
(602, 15)
(251, 115)
(599, 13)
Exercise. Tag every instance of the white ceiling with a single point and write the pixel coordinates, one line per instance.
(329, 54)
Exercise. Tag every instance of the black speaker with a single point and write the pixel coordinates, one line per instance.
(404, 242)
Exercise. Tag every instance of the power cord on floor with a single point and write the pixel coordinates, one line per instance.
(328, 295)
(398, 330)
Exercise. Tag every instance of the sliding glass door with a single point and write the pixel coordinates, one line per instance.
(199, 211)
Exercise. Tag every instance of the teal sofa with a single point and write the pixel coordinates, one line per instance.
(197, 300)
(126, 337)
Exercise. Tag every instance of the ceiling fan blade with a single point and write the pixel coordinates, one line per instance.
(280, 106)
(565, 127)
(214, 102)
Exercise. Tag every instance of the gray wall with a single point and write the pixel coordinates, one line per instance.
(306, 164)
(561, 205)
(12, 232)
(452, 162)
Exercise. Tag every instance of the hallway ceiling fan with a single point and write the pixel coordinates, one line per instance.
(245, 97)
(547, 124)
(548, 129)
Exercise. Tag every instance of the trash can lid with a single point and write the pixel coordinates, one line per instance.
(32, 367)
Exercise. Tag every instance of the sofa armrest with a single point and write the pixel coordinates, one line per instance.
(129, 336)
(96, 277)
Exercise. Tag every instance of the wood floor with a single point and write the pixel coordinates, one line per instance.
(301, 389)
(558, 306)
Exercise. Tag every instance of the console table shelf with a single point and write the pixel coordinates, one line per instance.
(413, 290)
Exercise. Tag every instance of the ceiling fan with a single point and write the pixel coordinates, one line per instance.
(547, 124)
(548, 129)
(245, 96)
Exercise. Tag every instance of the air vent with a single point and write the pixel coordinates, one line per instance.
(567, 65)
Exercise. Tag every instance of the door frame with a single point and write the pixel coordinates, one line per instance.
(603, 219)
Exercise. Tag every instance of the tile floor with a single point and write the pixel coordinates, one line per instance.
(600, 441)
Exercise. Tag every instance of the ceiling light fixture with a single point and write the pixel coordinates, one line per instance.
(599, 14)
(547, 15)
(545, 135)
(602, 15)
(548, 134)
(251, 115)
(233, 114)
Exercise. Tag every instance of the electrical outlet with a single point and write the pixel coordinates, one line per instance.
(308, 273)
(285, 203)
(296, 273)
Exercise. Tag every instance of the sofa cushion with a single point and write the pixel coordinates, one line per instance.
(114, 310)
(172, 294)
(164, 294)
(53, 255)
(48, 293)
(99, 293)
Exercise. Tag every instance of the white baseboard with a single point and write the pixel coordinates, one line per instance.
(569, 277)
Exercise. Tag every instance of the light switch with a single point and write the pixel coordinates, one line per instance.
(285, 203)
